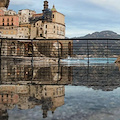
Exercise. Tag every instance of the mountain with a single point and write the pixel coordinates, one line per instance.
(98, 48)
(102, 34)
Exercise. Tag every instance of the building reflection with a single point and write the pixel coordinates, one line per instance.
(25, 74)
(28, 96)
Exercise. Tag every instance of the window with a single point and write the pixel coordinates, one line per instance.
(46, 32)
(40, 35)
(3, 20)
(12, 19)
(3, 24)
(7, 24)
(53, 16)
(46, 26)
(7, 19)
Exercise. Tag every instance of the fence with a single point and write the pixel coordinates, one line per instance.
(61, 61)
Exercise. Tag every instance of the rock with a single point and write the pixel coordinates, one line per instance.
(118, 60)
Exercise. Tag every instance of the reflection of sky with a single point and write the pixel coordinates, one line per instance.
(82, 16)
(92, 61)
(87, 99)
(79, 102)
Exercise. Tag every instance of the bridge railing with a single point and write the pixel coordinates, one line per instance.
(58, 61)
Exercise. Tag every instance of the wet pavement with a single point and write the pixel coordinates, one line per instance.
(63, 92)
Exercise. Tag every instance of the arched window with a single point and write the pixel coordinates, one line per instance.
(53, 16)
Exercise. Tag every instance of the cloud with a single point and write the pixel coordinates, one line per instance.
(21, 2)
(108, 4)
(75, 32)
(81, 16)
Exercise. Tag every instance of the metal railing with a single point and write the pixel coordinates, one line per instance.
(59, 61)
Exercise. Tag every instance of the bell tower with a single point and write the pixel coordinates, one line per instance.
(45, 4)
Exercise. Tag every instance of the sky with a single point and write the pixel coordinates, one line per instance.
(81, 16)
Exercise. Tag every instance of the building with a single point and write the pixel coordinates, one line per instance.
(8, 31)
(10, 12)
(9, 20)
(24, 15)
(49, 24)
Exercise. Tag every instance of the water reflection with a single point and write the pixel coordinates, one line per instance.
(104, 76)
(58, 91)
(26, 74)
(28, 96)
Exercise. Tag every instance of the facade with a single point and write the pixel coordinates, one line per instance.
(24, 48)
(8, 32)
(24, 15)
(10, 12)
(23, 32)
(9, 20)
(48, 25)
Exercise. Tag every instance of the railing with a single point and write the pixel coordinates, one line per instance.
(61, 61)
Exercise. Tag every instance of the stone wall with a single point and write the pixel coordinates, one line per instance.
(37, 48)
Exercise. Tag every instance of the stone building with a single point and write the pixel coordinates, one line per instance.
(23, 33)
(49, 24)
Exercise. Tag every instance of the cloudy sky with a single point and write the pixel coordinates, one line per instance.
(81, 16)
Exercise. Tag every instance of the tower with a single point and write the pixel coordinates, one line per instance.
(4, 3)
(45, 4)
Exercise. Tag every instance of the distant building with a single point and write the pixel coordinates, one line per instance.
(10, 12)
(24, 15)
(9, 20)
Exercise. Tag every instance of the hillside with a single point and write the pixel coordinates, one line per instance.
(98, 48)
(102, 34)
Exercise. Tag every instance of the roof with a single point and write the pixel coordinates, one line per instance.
(53, 9)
